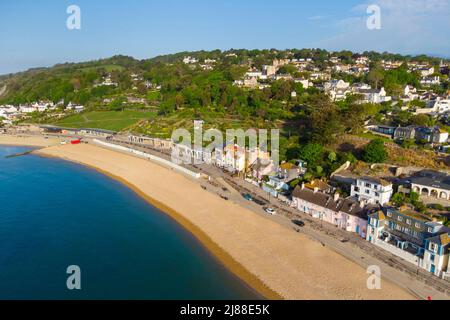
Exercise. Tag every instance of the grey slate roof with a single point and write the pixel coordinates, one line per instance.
(324, 200)
(431, 178)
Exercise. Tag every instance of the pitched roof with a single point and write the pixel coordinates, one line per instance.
(442, 239)
(288, 166)
(379, 215)
(328, 201)
(321, 185)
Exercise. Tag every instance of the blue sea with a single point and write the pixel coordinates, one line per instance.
(55, 214)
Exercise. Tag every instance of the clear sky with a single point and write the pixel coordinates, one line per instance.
(34, 33)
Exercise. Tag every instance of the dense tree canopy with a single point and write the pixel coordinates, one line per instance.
(375, 152)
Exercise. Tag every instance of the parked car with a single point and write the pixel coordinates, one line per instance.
(248, 197)
(298, 223)
(259, 202)
(270, 211)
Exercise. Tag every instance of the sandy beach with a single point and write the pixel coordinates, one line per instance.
(29, 141)
(277, 262)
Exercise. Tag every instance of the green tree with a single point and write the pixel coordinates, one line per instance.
(398, 199)
(325, 120)
(376, 75)
(422, 120)
(312, 153)
(332, 157)
(375, 152)
(414, 198)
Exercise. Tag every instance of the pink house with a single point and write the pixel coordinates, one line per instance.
(346, 214)
(262, 168)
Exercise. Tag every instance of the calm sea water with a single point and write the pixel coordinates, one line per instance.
(54, 214)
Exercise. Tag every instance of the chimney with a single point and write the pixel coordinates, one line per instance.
(303, 186)
(316, 190)
(336, 196)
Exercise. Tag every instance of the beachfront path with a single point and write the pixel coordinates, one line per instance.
(289, 263)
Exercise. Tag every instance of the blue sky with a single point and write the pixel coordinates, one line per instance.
(34, 33)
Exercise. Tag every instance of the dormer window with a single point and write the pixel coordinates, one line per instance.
(400, 218)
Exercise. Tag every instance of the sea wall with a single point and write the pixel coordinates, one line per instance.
(148, 157)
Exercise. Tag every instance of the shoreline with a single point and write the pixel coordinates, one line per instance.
(260, 270)
(213, 248)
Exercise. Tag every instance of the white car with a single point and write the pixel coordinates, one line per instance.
(271, 211)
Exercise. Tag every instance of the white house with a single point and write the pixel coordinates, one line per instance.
(430, 81)
(376, 191)
(336, 85)
(436, 254)
(374, 95)
(409, 93)
(78, 108)
(337, 89)
(442, 104)
(426, 71)
(254, 74)
(305, 82)
(189, 60)
(27, 109)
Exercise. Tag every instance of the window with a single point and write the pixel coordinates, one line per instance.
(400, 218)
(433, 247)
(356, 189)
(367, 191)
(368, 185)
(417, 225)
(408, 221)
(398, 227)
(377, 194)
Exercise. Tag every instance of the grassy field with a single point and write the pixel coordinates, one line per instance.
(109, 120)
(372, 136)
